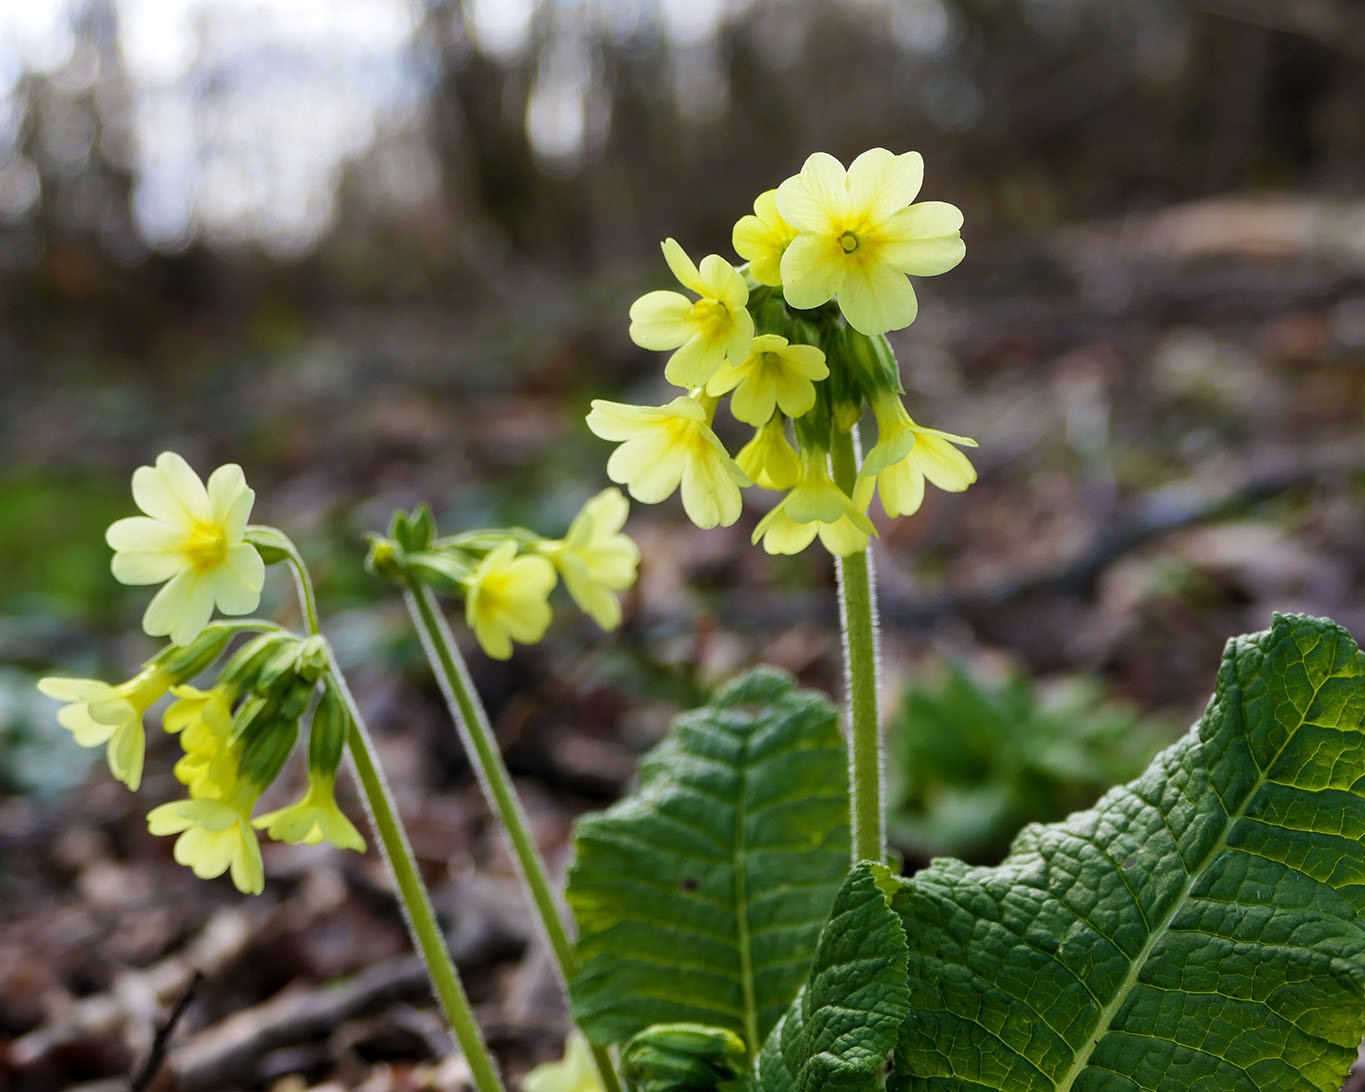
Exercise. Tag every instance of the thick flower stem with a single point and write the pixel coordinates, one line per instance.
(412, 895)
(858, 615)
(467, 711)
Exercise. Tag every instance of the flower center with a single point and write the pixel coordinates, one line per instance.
(849, 242)
(205, 545)
(709, 313)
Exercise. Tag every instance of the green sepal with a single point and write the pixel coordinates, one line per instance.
(267, 737)
(272, 544)
(446, 571)
(684, 1058)
(328, 731)
(244, 667)
(871, 363)
(185, 663)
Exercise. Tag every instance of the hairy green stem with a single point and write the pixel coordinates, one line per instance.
(858, 615)
(413, 897)
(307, 599)
(471, 721)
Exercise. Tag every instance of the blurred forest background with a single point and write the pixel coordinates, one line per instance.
(381, 252)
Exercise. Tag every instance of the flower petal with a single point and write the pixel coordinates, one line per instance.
(237, 582)
(813, 270)
(815, 198)
(875, 298)
(230, 500)
(682, 267)
(184, 484)
(661, 320)
(881, 183)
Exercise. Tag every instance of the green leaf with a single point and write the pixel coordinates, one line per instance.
(838, 1033)
(699, 899)
(1199, 928)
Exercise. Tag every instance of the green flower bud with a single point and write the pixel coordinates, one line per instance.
(682, 1058)
(872, 363)
(243, 670)
(267, 737)
(184, 663)
(328, 731)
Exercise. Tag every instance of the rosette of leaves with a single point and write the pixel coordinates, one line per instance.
(1199, 928)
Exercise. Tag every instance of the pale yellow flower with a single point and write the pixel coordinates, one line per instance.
(663, 447)
(507, 599)
(576, 1073)
(595, 559)
(858, 240)
(314, 819)
(98, 714)
(203, 718)
(192, 538)
(817, 506)
(774, 375)
(704, 332)
(769, 458)
(762, 237)
(215, 837)
(906, 455)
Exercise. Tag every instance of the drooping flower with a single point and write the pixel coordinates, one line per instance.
(191, 538)
(859, 237)
(507, 599)
(575, 1073)
(762, 237)
(769, 458)
(595, 559)
(817, 506)
(906, 455)
(215, 836)
(774, 375)
(663, 447)
(203, 719)
(704, 332)
(314, 819)
(98, 714)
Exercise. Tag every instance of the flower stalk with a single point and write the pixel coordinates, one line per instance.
(858, 621)
(412, 894)
(476, 734)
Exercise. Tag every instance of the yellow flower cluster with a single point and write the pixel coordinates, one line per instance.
(506, 575)
(796, 339)
(237, 734)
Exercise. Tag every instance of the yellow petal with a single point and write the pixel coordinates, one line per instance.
(875, 298)
(661, 320)
(881, 183)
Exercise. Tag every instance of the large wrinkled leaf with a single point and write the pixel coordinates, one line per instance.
(1199, 928)
(699, 898)
(838, 1033)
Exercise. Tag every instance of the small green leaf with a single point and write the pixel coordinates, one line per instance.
(838, 1033)
(1200, 928)
(699, 899)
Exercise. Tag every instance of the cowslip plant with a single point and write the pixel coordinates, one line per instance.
(739, 927)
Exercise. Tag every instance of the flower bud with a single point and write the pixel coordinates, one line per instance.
(682, 1058)
(243, 670)
(183, 663)
(872, 363)
(267, 735)
(328, 731)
